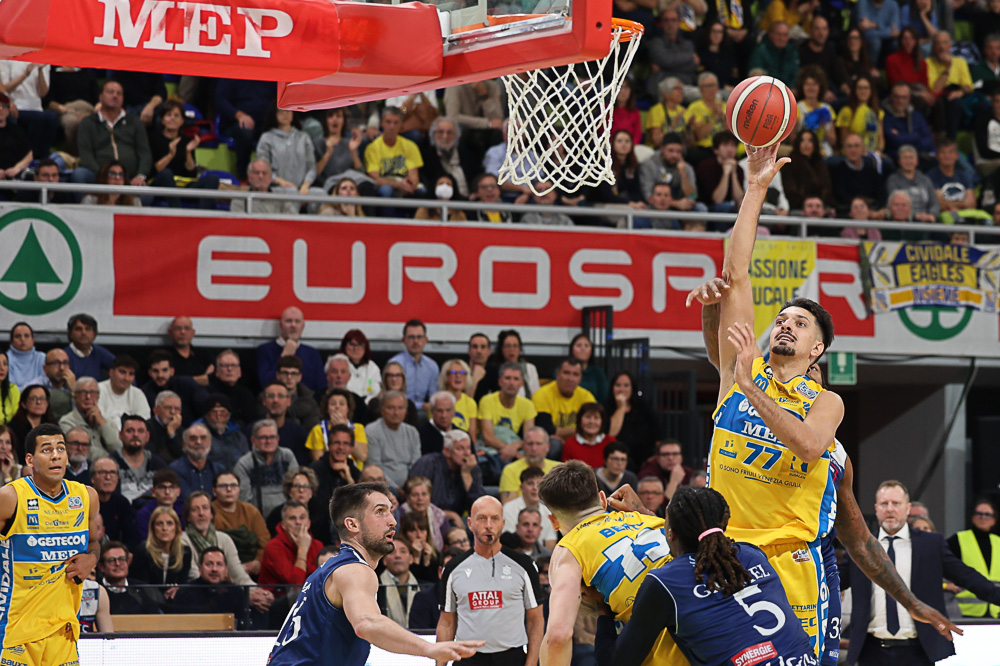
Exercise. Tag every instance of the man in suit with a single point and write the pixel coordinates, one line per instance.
(883, 634)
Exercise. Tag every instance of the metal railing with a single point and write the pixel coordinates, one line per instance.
(628, 215)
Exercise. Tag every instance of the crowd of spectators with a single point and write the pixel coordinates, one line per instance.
(877, 82)
(212, 475)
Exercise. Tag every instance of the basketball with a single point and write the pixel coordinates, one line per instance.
(761, 111)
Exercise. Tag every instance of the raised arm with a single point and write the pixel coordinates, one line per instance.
(565, 576)
(737, 301)
(872, 559)
(709, 295)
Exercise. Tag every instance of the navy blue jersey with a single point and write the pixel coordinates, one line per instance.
(316, 631)
(755, 626)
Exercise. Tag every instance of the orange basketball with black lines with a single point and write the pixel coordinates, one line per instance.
(761, 111)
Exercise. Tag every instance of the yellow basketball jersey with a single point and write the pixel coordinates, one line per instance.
(773, 496)
(616, 551)
(36, 598)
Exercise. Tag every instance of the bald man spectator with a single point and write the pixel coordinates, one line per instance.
(393, 445)
(162, 377)
(60, 380)
(165, 426)
(292, 324)
(87, 415)
(227, 380)
(189, 361)
(194, 469)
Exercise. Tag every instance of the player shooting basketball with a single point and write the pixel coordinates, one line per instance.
(775, 428)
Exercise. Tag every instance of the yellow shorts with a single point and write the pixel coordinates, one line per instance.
(57, 649)
(800, 568)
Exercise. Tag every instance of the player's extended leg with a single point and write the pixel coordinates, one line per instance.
(831, 644)
(800, 567)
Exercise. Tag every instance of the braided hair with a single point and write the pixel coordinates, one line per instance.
(692, 511)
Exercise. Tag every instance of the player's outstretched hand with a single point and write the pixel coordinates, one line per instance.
(763, 165)
(709, 293)
(921, 612)
(454, 650)
(625, 499)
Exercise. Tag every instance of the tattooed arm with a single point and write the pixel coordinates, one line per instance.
(871, 558)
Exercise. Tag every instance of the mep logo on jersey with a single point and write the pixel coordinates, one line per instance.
(74, 502)
(486, 600)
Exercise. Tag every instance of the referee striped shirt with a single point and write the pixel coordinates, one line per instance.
(490, 597)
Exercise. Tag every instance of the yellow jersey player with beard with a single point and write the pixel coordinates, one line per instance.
(47, 550)
(774, 431)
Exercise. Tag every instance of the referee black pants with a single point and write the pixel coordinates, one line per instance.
(875, 654)
(511, 657)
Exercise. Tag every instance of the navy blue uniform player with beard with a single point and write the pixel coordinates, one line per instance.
(336, 618)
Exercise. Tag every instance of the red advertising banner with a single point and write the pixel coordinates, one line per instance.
(344, 271)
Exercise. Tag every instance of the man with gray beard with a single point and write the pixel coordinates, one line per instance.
(195, 470)
(78, 450)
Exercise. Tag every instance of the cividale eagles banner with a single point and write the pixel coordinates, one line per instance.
(900, 275)
(136, 269)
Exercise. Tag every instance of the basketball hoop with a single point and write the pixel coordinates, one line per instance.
(559, 127)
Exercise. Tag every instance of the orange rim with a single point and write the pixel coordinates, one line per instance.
(629, 29)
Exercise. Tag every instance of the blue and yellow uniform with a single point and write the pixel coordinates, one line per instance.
(38, 603)
(615, 552)
(778, 502)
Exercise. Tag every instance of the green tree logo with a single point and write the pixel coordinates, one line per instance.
(32, 267)
(935, 330)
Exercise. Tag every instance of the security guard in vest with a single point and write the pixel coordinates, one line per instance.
(979, 549)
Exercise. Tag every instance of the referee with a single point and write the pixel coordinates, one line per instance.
(492, 593)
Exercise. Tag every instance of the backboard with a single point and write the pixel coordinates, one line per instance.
(476, 40)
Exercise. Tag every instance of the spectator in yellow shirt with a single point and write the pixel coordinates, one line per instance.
(393, 161)
(950, 80)
(559, 402)
(536, 449)
(668, 115)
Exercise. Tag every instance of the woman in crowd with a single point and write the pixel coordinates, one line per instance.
(810, 177)
(921, 17)
(717, 54)
(338, 154)
(393, 379)
(301, 485)
(200, 534)
(861, 211)
(815, 114)
(9, 469)
(163, 559)
(175, 164)
(907, 65)
(631, 420)
(338, 406)
(10, 396)
(288, 150)
(508, 350)
(33, 411)
(855, 61)
(594, 378)
(625, 115)
(345, 187)
(625, 165)
(418, 490)
(112, 173)
(444, 190)
(453, 377)
(614, 473)
(591, 436)
(366, 379)
(457, 537)
(863, 116)
(414, 531)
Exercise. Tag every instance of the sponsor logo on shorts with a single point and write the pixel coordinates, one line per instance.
(755, 654)
(11, 662)
(804, 389)
(33, 504)
(75, 502)
(17, 649)
(486, 600)
(801, 556)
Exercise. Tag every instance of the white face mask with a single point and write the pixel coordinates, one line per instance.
(444, 191)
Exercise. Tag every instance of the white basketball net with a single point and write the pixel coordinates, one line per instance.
(559, 130)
